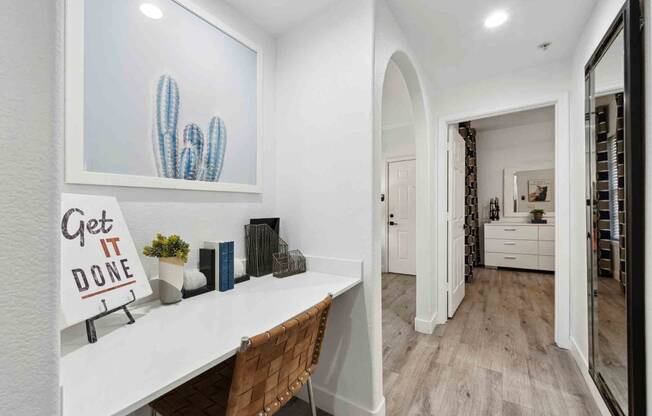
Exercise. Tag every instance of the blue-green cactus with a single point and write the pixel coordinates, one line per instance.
(193, 136)
(188, 163)
(166, 144)
(215, 147)
(197, 158)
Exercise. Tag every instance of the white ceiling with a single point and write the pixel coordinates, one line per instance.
(520, 118)
(454, 47)
(449, 36)
(278, 16)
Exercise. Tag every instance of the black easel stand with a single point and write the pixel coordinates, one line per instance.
(90, 323)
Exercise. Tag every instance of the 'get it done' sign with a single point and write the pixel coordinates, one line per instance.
(98, 258)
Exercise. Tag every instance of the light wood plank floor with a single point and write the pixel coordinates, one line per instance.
(495, 357)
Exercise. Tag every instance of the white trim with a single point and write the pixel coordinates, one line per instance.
(74, 111)
(338, 405)
(582, 364)
(562, 202)
(425, 326)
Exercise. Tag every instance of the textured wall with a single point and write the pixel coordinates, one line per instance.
(28, 185)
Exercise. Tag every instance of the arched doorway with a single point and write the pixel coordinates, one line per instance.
(389, 132)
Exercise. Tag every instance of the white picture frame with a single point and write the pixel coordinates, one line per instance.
(75, 172)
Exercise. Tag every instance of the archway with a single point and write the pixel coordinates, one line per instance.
(425, 285)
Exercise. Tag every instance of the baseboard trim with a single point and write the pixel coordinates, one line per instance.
(583, 365)
(425, 326)
(339, 406)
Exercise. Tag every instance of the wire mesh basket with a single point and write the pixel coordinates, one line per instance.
(288, 263)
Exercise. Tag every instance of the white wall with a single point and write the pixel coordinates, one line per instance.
(324, 182)
(524, 146)
(198, 216)
(29, 188)
(397, 106)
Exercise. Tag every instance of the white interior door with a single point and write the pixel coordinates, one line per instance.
(456, 208)
(402, 213)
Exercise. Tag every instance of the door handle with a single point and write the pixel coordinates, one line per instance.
(509, 229)
(510, 244)
(510, 258)
(393, 223)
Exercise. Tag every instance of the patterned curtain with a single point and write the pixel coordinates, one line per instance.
(620, 144)
(472, 240)
(611, 188)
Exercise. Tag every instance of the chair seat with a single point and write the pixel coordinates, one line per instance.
(204, 395)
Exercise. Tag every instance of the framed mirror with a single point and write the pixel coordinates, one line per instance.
(615, 205)
(529, 188)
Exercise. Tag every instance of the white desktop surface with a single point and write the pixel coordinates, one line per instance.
(130, 365)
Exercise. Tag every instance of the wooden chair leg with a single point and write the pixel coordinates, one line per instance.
(311, 398)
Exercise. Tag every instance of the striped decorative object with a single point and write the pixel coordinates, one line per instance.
(197, 158)
(471, 231)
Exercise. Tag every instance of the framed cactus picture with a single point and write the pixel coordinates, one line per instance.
(160, 94)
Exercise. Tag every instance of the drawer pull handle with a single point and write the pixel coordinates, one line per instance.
(510, 258)
(510, 229)
(510, 244)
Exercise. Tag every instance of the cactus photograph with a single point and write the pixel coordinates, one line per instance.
(196, 157)
(168, 102)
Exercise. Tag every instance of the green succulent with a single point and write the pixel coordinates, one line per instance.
(172, 246)
(537, 211)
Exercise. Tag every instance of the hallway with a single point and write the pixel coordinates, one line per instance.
(495, 357)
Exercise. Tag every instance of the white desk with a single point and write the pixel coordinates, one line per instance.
(131, 365)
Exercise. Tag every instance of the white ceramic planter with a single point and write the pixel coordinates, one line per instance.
(170, 274)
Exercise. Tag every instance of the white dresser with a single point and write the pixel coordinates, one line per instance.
(521, 246)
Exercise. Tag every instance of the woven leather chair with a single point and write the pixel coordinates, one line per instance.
(265, 374)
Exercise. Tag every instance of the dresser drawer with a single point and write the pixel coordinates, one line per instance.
(511, 232)
(547, 263)
(547, 232)
(511, 246)
(546, 248)
(517, 261)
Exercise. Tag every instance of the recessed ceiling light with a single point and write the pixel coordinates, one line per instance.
(495, 19)
(150, 10)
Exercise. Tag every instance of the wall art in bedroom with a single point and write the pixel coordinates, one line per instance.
(160, 94)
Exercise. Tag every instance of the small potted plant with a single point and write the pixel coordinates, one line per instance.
(537, 215)
(172, 253)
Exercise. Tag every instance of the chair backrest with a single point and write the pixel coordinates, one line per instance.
(271, 368)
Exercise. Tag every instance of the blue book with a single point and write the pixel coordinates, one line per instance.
(231, 261)
(224, 267)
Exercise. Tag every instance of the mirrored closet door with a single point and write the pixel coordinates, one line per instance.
(615, 209)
